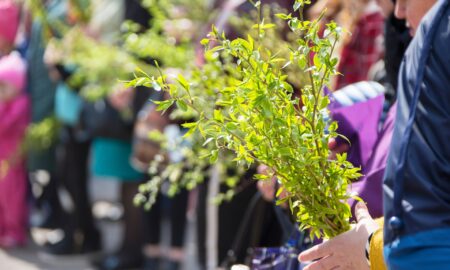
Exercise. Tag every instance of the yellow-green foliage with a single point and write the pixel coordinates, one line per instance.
(256, 115)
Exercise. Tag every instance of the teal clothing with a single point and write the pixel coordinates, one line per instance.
(41, 88)
(67, 104)
(111, 158)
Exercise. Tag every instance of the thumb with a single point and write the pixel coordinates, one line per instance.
(361, 212)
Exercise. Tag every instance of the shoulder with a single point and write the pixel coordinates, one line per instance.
(442, 37)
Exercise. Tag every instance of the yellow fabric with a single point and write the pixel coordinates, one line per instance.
(376, 248)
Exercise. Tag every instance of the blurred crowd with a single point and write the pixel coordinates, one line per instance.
(47, 188)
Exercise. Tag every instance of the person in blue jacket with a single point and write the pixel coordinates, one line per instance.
(416, 183)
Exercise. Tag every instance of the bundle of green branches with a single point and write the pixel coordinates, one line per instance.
(216, 73)
(257, 116)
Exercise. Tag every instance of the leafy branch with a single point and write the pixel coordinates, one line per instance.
(258, 116)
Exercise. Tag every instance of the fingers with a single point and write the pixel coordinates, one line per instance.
(341, 148)
(336, 148)
(316, 252)
(327, 263)
(361, 212)
(262, 169)
(267, 190)
(332, 143)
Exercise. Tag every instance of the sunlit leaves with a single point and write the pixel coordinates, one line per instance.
(244, 103)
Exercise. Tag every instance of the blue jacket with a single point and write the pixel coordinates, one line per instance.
(417, 179)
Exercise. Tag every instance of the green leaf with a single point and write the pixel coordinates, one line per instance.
(204, 41)
(261, 177)
(279, 191)
(284, 16)
(268, 26)
(214, 30)
(183, 82)
(139, 70)
(182, 105)
(218, 116)
(164, 105)
(189, 125)
(214, 156)
(141, 81)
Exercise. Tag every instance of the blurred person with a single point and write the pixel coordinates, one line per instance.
(110, 122)
(138, 14)
(78, 233)
(173, 210)
(362, 49)
(9, 20)
(396, 41)
(41, 164)
(415, 187)
(165, 209)
(14, 117)
(359, 49)
(14, 114)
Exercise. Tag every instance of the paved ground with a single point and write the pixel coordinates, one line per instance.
(30, 258)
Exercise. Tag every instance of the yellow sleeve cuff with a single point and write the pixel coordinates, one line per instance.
(376, 249)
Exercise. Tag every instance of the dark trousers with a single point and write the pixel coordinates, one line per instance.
(176, 212)
(72, 172)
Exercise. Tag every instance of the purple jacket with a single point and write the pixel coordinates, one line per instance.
(369, 147)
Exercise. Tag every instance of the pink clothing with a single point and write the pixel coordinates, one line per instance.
(14, 118)
(13, 70)
(9, 20)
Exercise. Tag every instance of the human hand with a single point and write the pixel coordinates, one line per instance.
(267, 187)
(337, 148)
(345, 251)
